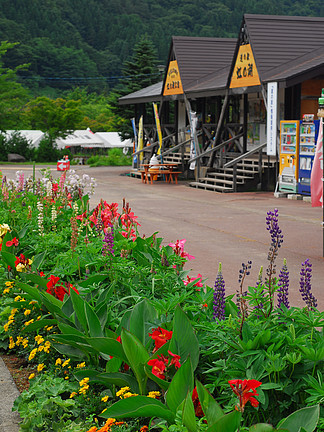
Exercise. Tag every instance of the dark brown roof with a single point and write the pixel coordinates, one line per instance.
(211, 84)
(147, 94)
(198, 57)
(278, 40)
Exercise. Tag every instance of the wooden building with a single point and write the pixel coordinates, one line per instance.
(223, 84)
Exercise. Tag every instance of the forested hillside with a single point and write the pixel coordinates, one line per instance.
(72, 43)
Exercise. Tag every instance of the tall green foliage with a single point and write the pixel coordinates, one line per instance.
(138, 72)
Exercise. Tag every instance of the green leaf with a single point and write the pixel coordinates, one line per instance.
(37, 261)
(160, 382)
(184, 341)
(261, 427)
(138, 406)
(33, 292)
(78, 304)
(210, 407)
(228, 423)
(36, 279)
(8, 258)
(108, 346)
(140, 320)
(93, 321)
(188, 414)
(119, 379)
(137, 357)
(71, 352)
(39, 324)
(180, 386)
(306, 417)
(92, 280)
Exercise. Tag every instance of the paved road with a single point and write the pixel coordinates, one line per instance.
(227, 228)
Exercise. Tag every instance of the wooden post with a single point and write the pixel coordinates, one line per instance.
(245, 121)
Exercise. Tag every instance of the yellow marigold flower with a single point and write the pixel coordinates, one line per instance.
(20, 267)
(129, 394)
(49, 328)
(105, 398)
(31, 376)
(32, 302)
(39, 339)
(17, 298)
(40, 348)
(83, 390)
(73, 394)
(11, 343)
(11, 317)
(66, 377)
(66, 362)
(84, 381)
(9, 284)
(32, 354)
(47, 344)
(22, 299)
(46, 350)
(25, 343)
(29, 322)
(154, 394)
(109, 423)
(40, 367)
(6, 291)
(30, 262)
(58, 362)
(93, 429)
(14, 311)
(122, 391)
(6, 327)
(19, 340)
(81, 365)
(27, 312)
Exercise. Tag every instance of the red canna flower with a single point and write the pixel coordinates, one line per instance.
(197, 406)
(12, 242)
(245, 390)
(158, 367)
(175, 360)
(160, 337)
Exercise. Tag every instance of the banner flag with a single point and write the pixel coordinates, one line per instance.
(135, 139)
(140, 138)
(193, 125)
(158, 127)
(317, 171)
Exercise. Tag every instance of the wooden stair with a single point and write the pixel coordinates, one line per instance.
(221, 180)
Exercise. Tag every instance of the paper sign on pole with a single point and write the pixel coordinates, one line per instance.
(135, 139)
(272, 119)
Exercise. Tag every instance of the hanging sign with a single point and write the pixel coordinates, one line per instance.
(173, 85)
(158, 127)
(245, 73)
(272, 95)
(140, 138)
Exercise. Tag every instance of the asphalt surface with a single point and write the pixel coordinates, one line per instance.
(227, 228)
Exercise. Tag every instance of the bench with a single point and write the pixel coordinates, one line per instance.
(169, 175)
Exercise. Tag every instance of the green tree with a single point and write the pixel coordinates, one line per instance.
(57, 118)
(139, 72)
(13, 94)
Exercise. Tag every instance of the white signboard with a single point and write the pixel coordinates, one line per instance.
(272, 119)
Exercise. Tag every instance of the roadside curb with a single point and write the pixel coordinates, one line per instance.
(9, 420)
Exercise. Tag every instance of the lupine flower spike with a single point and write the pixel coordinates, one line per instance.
(306, 286)
(219, 296)
(283, 285)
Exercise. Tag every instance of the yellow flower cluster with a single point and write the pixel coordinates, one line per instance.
(11, 343)
(154, 394)
(81, 365)
(32, 354)
(124, 393)
(40, 367)
(39, 339)
(105, 398)
(22, 341)
(9, 285)
(84, 386)
(29, 322)
(106, 427)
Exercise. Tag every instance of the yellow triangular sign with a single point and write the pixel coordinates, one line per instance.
(173, 84)
(245, 73)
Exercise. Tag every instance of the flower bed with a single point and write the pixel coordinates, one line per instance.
(121, 337)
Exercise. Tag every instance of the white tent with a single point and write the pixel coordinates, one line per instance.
(113, 140)
(81, 138)
(33, 136)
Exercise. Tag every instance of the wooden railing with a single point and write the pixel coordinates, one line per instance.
(233, 163)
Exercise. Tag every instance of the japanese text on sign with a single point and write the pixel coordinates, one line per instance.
(245, 73)
(173, 83)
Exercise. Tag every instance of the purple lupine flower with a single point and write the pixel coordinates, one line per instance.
(108, 242)
(283, 285)
(273, 228)
(219, 296)
(306, 286)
